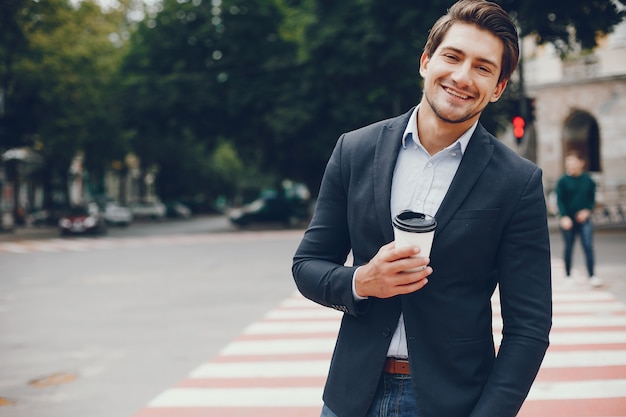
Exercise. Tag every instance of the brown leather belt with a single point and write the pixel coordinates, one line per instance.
(397, 366)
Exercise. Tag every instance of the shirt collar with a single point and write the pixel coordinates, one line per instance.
(411, 128)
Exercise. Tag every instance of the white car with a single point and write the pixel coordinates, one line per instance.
(118, 215)
(153, 210)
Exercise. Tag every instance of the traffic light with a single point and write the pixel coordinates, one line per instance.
(519, 127)
(530, 109)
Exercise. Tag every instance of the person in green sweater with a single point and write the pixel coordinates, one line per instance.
(576, 193)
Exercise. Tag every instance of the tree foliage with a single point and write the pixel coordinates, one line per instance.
(58, 84)
(223, 95)
(566, 24)
(210, 71)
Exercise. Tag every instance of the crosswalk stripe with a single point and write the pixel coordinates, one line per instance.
(590, 358)
(279, 346)
(582, 296)
(584, 307)
(292, 327)
(303, 314)
(580, 321)
(14, 248)
(566, 390)
(576, 338)
(264, 369)
(246, 397)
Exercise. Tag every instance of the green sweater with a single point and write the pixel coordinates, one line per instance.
(575, 194)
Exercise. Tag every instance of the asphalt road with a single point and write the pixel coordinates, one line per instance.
(92, 330)
(96, 327)
(610, 253)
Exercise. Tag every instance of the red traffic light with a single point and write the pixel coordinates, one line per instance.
(518, 127)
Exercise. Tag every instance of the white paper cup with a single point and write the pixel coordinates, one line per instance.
(414, 229)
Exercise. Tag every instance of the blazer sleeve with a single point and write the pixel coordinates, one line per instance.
(523, 267)
(319, 268)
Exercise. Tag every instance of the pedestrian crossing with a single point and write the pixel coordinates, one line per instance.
(278, 365)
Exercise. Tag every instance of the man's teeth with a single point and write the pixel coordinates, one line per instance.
(454, 93)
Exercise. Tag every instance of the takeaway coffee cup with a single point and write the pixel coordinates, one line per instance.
(414, 229)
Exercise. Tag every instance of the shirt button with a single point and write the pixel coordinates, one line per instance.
(453, 153)
(429, 165)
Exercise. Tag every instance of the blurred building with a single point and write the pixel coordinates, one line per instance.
(18, 167)
(580, 103)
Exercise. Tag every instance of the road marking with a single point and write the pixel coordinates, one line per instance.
(242, 397)
(263, 369)
(280, 346)
(273, 327)
(590, 358)
(565, 390)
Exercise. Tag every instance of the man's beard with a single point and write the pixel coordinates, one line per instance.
(440, 115)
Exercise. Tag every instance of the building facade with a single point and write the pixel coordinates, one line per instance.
(580, 103)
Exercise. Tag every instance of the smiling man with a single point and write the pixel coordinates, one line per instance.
(416, 336)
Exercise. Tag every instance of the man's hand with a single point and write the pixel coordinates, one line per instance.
(583, 215)
(566, 223)
(386, 274)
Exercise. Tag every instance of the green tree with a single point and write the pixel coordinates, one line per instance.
(170, 98)
(566, 23)
(211, 70)
(281, 79)
(59, 81)
(362, 60)
(12, 44)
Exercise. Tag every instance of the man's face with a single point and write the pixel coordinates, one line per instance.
(574, 166)
(461, 77)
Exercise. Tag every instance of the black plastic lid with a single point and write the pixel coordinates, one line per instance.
(410, 221)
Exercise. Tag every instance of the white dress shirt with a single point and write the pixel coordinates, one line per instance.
(420, 182)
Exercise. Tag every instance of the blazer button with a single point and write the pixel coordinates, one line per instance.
(386, 332)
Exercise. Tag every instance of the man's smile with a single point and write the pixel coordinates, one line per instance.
(456, 93)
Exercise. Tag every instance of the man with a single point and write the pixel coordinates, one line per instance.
(576, 198)
(420, 343)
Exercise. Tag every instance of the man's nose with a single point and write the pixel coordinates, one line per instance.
(462, 73)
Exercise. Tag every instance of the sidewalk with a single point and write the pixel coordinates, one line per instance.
(29, 233)
(553, 225)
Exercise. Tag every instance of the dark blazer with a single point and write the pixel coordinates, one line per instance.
(492, 232)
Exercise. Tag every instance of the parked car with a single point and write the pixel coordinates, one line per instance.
(116, 214)
(177, 209)
(82, 219)
(152, 210)
(271, 209)
(48, 216)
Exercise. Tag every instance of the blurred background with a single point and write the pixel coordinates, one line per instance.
(203, 105)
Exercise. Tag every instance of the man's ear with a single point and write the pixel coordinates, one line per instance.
(497, 93)
(424, 60)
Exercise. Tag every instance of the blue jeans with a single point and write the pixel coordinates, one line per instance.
(586, 238)
(394, 398)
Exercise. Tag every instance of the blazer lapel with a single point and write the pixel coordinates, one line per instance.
(475, 159)
(387, 148)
